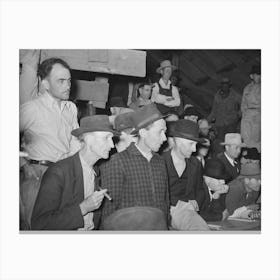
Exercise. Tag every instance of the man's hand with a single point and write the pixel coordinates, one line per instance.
(194, 204)
(29, 171)
(92, 202)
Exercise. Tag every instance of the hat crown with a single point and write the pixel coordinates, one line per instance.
(124, 121)
(214, 168)
(165, 63)
(250, 169)
(233, 139)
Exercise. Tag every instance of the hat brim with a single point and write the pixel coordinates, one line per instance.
(256, 176)
(77, 132)
(187, 136)
(160, 68)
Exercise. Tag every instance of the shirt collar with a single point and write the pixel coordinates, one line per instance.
(52, 102)
(147, 155)
(162, 83)
(86, 166)
(232, 161)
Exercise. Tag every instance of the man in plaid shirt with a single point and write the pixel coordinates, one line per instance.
(137, 177)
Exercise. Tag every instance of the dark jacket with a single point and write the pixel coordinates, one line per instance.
(61, 192)
(187, 187)
(232, 172)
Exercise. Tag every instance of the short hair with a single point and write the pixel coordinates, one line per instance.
(46, 66)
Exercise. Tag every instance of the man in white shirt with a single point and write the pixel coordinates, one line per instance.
(164, 94)
(46, 122)
(69, 194)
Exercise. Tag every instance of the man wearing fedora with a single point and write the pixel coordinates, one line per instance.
(251, 110)
(245, 189)
(136, 178)
(229, 157)
(213, 208)
(225, 110)
(69, 194)
(164, 94)
(185, 177)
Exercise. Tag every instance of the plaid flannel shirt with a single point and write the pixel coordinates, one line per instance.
(132, 180)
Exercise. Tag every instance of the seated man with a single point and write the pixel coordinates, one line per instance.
(69, 195)
(136, 178)
(185, 177)
(144, 96)
(245, 189)
(233, 145)
(213, 208)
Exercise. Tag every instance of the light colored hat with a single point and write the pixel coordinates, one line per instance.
(203, 123)
(165, 63)
(233, 139)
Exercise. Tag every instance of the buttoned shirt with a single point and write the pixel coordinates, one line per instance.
(159, 98)
(47, 128)
(89, 179)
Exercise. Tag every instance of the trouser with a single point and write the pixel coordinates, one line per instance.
(29, 188)
(183, 217)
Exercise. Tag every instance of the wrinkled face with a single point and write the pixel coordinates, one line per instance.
(58, 83)
(214, 184)
(233, 151)
(124, 141)
(166, 73)
(256, 78)
(99, 143)
(145, 92)
(191, 118)
(184, 147)
(154, 136)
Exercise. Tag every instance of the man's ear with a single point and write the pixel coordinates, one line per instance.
(142, 132)
(45, 84)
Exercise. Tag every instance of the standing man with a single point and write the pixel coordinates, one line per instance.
(164, 94)
(251, 110)
(185, 177)
(225, 109)
(47, 122)
(233, 145)
(136, 178)
(69, 195)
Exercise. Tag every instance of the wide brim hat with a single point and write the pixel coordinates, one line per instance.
(250, 170)
(186, 129)
(144, 116)
(93, 124)
(233, 139)
(124, 121)
(192, 111)
(164, 64)
(214, 168)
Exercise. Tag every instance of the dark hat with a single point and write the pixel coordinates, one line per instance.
(192, 111)
(251, 153)
(123, 121)
(214, 168)
(186, 129)
(117, 101)
(94, 123)
(256, 69)
(205, 145)
(144, 116)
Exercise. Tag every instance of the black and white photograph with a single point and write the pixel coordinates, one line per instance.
(139, 139)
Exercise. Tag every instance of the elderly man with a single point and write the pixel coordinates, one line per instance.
(225, 109)
(233, 145)
(251, 110)
(69, 195)
(164, 94)
(185, 177)
(47, 122)
(136, 178)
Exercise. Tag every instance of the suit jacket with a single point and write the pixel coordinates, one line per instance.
(232, 172)
(187, 187)
(61, 192)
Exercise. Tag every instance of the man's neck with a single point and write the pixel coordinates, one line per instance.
(143, 147)
(229, 156)
(177, 154)
(57, 100)
(165, 80)
(89, 157)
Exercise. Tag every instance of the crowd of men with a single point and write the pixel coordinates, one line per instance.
(158, 165)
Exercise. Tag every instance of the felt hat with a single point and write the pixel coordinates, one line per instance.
(123, 121)
(144, 116)
(250, 170)
(256, 69)
(233, 139)
(164, 64)
(192, 111)
(94, 123)
(214, 168)
(186, 129)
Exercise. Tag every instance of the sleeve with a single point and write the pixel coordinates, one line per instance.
(176, 96)
(75, 144)
(243, 106)
(28, 81)
(112, 179)
(156, 96)
(47, 214)
(200, 187)
(212, 114)
(27, 115)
